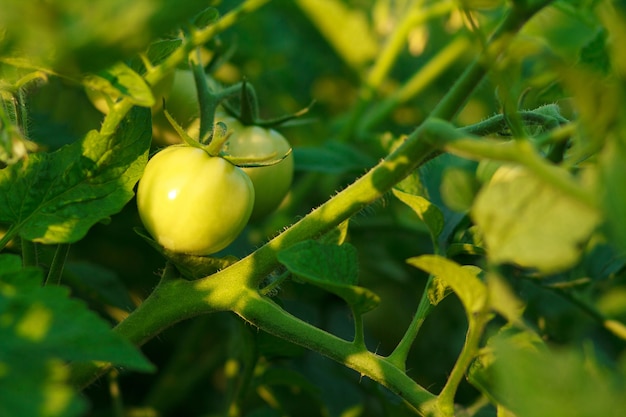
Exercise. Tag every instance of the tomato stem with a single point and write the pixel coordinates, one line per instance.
(207, 100)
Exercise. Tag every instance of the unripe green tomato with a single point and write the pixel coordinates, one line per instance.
(271, 183)
(193, 203)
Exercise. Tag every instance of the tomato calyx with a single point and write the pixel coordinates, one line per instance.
(248, 111)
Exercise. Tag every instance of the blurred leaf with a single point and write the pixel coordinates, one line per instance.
(464, 281)
(481, 373)
(332, 158)
(57, 197)
(78, 36)
(98, 283)
(425, 210)
(120, 81)
(530, 223)
(347, 30)
(332, 268)
(503, 301)
(42, 327)
(613, 174)
(595, 54)
(559, 383)
(458, 188)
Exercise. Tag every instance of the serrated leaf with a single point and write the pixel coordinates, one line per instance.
(464, 281)
(425, 210)
(120, 81)
(57, 197)
(333, 268)
(190, 266)
(332, 158)
(530, 223)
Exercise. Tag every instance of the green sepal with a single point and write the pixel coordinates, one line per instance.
(190, 266)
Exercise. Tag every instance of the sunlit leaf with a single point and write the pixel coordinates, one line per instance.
(57, 197)
(120, 81)
(530, 223)
(425, 210)
(464, 281)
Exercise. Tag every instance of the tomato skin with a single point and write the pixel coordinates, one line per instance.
(193, 203)
(271, 183)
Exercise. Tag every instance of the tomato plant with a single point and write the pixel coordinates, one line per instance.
(192, 202)
(452, 242)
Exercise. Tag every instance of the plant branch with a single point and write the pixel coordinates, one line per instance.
(399, 355)
(477, 323)
(448, 138)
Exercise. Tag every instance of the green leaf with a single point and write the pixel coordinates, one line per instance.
(425, 210)
(458, 188)
(98, 283)
(530, 223)
(41, 328)
(503, 301)
(79, 36)
(464, 281)
(332, 158)
(333, 268)
(57, 197)
(120, 81)
(554, 383)
(613, 172)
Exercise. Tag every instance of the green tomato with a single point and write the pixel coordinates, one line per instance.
(271, 183)
(194, 203)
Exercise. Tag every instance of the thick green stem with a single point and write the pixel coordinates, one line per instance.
(370, 187)
(269, 317)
